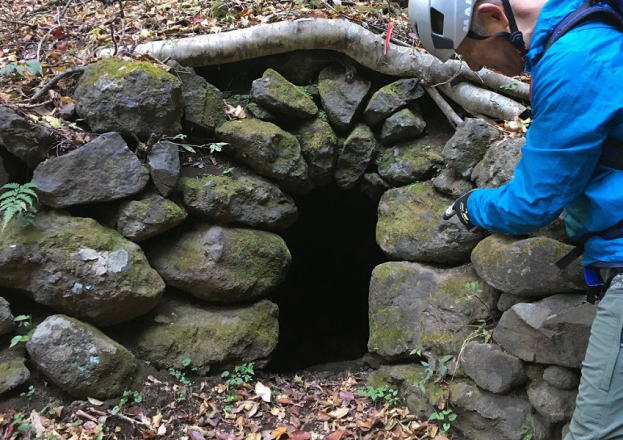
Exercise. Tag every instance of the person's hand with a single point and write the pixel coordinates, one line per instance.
(459, 208)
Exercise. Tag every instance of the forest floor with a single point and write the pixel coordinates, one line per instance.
(177, 404)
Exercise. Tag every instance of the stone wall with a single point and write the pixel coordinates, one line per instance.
(138, 209)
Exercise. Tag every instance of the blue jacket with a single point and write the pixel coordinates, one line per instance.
(577, 102)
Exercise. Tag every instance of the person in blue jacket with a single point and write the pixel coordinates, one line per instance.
(573, 157)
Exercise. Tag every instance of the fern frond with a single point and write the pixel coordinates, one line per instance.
(25, 198)
(8, 215)
(11, 185)
(8, 194)
(28, 191)
(30, 185)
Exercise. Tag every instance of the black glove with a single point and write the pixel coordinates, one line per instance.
(459, 207)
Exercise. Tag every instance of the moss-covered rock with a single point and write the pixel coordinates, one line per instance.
(355, 156)
(80, 359)
(7, 324)
(497, 167)
(411, 227)
(526, 267)
(129, 97)
(373, 186)
(13, 371)
(469, 144)
(204, 109)
(281, 97)
(450, 184)
(78, 267)
(148, 216)
(487, 416)
(222, 265)
(391, 98)
(408, 162)
(216, 337)
(413, 306)
(240, 199)
(341, 96)
(318, 145)
(267, 149)
(101, 171)
(401, 126)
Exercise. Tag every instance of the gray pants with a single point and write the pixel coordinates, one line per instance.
(599, 407)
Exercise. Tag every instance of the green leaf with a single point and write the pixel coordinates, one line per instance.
(9, 214)
(228, 171)
(15, 340)
(21, 318)
(28, 191)
(188, 148)
(446, 358)
(186, 362)
(26, 199)
(11, 185)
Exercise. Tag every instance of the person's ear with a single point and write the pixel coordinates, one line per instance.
(492, 17)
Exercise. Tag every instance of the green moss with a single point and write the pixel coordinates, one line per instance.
(278, 86)
(114, 68)
(317, 135)
(221, 185)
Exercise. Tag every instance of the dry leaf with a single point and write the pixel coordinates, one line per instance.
(299, 435)
(339, 413)
(263, 391)
(94, 401)
(277, 433)
(337, 435)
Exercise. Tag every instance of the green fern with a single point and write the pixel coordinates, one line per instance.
(18, 201)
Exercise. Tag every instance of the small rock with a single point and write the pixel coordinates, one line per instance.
(267, 149)
(413, 306)
(560, 377)
(28, 141)
(508, 300)
(80, 359)
(373, 186)
(13, 371)
(203, 103)
(552, 331)
(129, 97)
(7, 324)
(221, 337)
(164, 166)
(222, 265)
(148, 216)
(487, 416)
(491, 368)
(469, 144)
(318, 145)
(555, 404)
(451, 185)
(281, 97)
(341, 98)
(526, 267)
(391, 98)
(401, 126)
(407, 163)
(260, 112)
(355, 156)
(498, 165)
(101, 171)
(410, 227)
(244, 199)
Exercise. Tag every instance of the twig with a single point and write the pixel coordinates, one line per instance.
(39, 104)
(62, 13)
(112, 37)
(15, 22)
(56, 79)
(129, 419)
(82, 414)
(454, 119)
(40, 45)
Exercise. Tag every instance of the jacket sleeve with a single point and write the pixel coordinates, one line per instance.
(573, 110)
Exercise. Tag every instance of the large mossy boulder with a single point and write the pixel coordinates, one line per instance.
(417, 307)
(28, 141)
(80, 359)
(410, 227)
(526, 267)
(78, 267)
(101, 171)
(148, 216)
(239, 199)
(267, 149)
(319, 148)
(13, 370)
(342, 96)
(355, 156)
(222, 265)
(130, 97)
(217, 337)
(282, 98)
(408, 162)
(469, 144)
(551, 331)
(487, 416)
(391, 98)
(204, 109)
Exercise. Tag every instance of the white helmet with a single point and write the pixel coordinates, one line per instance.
(441, 25)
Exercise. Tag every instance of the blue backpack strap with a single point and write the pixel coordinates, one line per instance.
(589, 9)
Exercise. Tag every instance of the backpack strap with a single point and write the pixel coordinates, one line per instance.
(589, 9)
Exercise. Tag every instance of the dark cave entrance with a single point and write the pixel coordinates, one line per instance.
(323, 304)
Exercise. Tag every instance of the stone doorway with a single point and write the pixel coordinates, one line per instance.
(323, 302)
